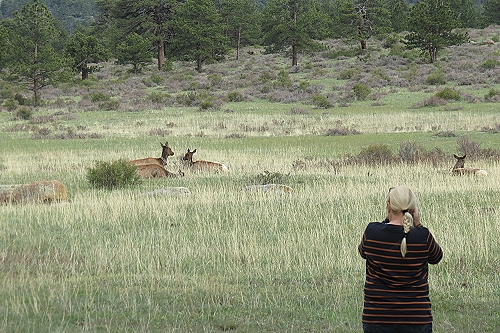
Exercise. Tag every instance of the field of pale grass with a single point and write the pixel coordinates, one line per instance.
(225, 259)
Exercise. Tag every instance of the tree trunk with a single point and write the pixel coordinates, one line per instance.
(238, 45)
(36, 82)
(85, 72)
(294, 55)
(363, 44)
(198, 64)
(433, 54)
(161, 54)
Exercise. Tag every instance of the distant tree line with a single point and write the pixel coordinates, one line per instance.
(38, 46)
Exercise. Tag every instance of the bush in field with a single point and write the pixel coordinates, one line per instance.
(373, 155)
(235, 96)
(268, 177)
(411, 152)
(466, 146)
(320, 101)
(99, 97)
(491, 94)
(361, 91)
(490, 63)
(111, 175)
(435, 79)
(10, 104)
(283, 79)
(24, 113)
(448, 94)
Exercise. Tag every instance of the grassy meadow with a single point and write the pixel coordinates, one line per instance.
(225, 259)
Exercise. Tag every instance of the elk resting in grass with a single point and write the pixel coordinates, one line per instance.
(162, 161)
(156, 171)
(202, 165)
(460, 169)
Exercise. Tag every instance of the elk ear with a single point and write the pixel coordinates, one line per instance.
(194, 151)
(455, 155)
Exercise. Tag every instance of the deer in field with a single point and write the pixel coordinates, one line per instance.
(202, 165)
(156, 171)
(459, 168)
(161, 161)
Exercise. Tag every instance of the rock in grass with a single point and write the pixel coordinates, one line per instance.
(169, 191)
(276, 188)
(45, 191)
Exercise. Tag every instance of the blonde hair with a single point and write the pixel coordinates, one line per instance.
(402, 199)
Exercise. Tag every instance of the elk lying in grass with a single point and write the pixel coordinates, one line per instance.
(162, 161)
(459, 168)
(156, 171)
(202, 165)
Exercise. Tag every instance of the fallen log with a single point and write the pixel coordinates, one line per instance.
(36, 192)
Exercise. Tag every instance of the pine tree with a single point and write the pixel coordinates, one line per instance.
(292, 26)
(34, 60)
(198, 33)
(431, 25)
(85, 48)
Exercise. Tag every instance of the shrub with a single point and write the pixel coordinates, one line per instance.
(158, 79)
(99, 97)
(158, 97)
(268, 177)
(490, 63)
(347, 74)
(491, 94)
(24, 113)
(341, 131)
(466, 146)
(110, 175)
(435, 79)
(411, 152)
(206, 104)
(283, 79)
(448, 94)
(21, 99)
(11, 104)
(361, 91)
(373, 155)
(235, 96)
(321, 101)
(110, 105)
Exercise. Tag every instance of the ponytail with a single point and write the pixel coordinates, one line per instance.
(407, 224)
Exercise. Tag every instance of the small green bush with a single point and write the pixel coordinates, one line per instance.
(235, 96)
(283, 79)
(348, 74)
(448, 94)
(490, 63)
(435, 79)
(24, 113)
(10, 104)
(111, 105)
(268, 177)
(373, 155)
(158, 79)
(361, 91)
(111, 175)
(491, 93)
(320, 101)
(99, 97)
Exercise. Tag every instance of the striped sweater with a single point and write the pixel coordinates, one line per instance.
(396, 288)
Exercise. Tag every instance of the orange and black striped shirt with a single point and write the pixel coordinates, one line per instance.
(396, 287)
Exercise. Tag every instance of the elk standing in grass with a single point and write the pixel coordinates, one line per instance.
(202, 165)
(156, 171)
(161, 161)
(459, 168)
